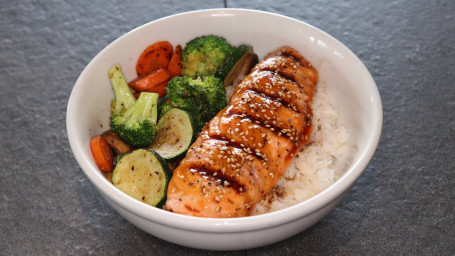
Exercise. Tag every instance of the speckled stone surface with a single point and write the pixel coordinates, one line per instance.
(402, 205)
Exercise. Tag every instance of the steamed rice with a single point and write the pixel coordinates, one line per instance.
(314, 168)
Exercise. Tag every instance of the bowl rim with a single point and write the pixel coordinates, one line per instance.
(226, 225)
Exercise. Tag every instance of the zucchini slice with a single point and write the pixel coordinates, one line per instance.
(242, 70)
(234, 62)
(175, 134)
(143, 175)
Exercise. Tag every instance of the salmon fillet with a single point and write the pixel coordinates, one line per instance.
(243, 151)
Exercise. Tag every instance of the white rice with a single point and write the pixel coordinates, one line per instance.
(314, 168)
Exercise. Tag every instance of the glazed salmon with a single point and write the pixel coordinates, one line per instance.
(243, 151)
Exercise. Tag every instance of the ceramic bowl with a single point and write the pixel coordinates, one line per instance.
(348, 82)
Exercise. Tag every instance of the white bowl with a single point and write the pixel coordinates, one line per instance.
(348, 82)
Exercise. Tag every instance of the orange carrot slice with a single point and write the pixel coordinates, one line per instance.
(102, 153)
(160, 89)
(147, 82)
(175, 64)
(154, 57)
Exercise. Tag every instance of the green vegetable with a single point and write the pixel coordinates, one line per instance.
(203, 98)
(143, 175)
(234, 57)
(164, 107)
(137, 124)
(124, 98)
(241, 60)
(204, 55)
(175, 134)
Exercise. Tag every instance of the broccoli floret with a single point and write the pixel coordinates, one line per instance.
(204, 55)
(163, 107)
(203, 98)
(137, 125)
(124, 98)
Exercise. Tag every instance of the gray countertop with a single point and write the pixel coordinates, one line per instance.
(402, 205)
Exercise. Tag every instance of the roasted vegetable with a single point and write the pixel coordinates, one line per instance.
(175, 64)
(116, 143)
(175, 134)
(237, 65)
(143, 175)
(155, 81)
(124, 98)
(241, 69)
(158, 55)
(137, 125)
(204, 55)
(164, 106)
(102, 153)
(201, 97)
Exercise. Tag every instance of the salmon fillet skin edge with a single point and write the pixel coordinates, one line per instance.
(243, 151)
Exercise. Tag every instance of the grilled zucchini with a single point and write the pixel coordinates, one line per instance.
(175, 134)
(143, 175)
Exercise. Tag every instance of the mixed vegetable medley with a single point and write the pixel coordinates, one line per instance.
(157, 116)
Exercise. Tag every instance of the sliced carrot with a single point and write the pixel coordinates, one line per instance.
(154, 57)
(175, 64)
(102, 153)
(146, 82)
(161, 88)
